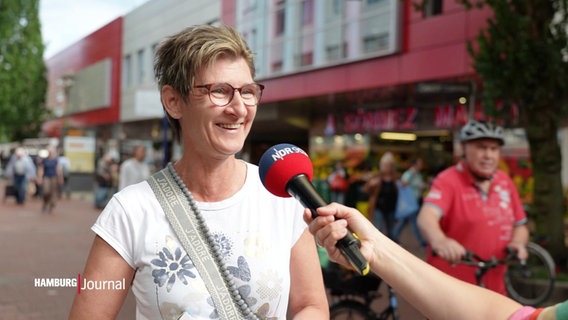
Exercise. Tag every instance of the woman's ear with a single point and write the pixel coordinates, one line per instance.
(172, 102)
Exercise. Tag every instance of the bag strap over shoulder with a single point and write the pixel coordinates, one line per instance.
(184, 222)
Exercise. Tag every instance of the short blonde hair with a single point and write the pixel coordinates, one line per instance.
(388, 157)
(181, 57)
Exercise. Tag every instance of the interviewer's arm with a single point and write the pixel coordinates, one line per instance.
(435, 294)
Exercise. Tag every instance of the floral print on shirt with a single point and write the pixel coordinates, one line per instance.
(173, 266)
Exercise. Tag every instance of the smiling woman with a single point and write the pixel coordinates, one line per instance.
(203, 238)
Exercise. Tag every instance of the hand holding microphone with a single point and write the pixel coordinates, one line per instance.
(286, 170)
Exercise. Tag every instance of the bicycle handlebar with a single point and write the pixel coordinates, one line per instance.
(472, 259)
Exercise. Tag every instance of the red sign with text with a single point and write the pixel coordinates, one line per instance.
(380, 120)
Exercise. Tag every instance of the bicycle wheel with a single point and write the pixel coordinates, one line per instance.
(350, 310)
(531, 283)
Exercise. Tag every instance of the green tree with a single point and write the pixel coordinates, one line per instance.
(23, 83)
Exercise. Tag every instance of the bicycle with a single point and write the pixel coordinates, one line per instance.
(352, 295)
(529, 282)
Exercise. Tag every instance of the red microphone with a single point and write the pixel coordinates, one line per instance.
(286, 170)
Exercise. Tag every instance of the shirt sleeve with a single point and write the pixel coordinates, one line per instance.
(405, 178)
(299, 223)
(441, 194)
(114, 225)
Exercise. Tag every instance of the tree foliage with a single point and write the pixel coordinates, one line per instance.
(522, 59)
(23, 83)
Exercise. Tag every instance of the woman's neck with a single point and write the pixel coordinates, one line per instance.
(211, 182)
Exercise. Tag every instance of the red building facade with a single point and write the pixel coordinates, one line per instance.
(84, 83)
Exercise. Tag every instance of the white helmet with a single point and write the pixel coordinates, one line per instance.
(474, 130)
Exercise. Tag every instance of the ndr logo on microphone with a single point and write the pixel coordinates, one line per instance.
(282, 150)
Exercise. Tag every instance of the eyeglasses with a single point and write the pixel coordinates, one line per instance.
(221, 94)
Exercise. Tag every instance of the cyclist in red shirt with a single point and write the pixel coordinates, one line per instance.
(473, 205)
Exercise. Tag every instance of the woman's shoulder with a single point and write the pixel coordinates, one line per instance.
(136, 195)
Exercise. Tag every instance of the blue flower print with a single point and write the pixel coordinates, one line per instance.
(172, 266)
(225, 244)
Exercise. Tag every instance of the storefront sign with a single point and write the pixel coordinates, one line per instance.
(450, 116)
(380, 120)
(443, 88)
(81, 153)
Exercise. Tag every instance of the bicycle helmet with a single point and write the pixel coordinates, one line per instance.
(474, 130)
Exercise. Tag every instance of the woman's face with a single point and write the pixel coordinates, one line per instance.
(386, 167)
(213, 130)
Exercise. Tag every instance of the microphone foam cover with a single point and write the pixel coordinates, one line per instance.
(279, 164)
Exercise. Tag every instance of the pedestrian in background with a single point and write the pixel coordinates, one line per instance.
(135, 169)
(338, 183)
(104, 181)
(65, 165)
(50, 177)
(22, 171)
(413, 179)
(383, 194)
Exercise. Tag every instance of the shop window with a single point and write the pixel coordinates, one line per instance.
(333, 52)
(432, 8)
(307, 12)
(373, 2)
(305, 59)
(375, 42)
(280, 19)
(126, 70)
(277, 66)
(141, 66)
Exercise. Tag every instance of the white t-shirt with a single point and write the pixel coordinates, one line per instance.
(254, 229)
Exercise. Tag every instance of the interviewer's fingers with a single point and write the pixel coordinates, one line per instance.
(319, 223)
(331, 233)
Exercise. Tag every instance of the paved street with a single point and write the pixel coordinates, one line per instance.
(38, 245)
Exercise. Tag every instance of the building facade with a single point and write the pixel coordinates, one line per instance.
(347, 80)
(343, 73)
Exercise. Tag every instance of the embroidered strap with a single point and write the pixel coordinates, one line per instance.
(185, 225)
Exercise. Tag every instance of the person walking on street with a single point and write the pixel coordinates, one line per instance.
(383, 194)
(203, 219)
(104, 180)
(474, 206)
(412, 178)
(134, 169)
(50, 177)
(65, 165)
(21, 169)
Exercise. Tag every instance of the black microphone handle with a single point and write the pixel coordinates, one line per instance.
(304, 191)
